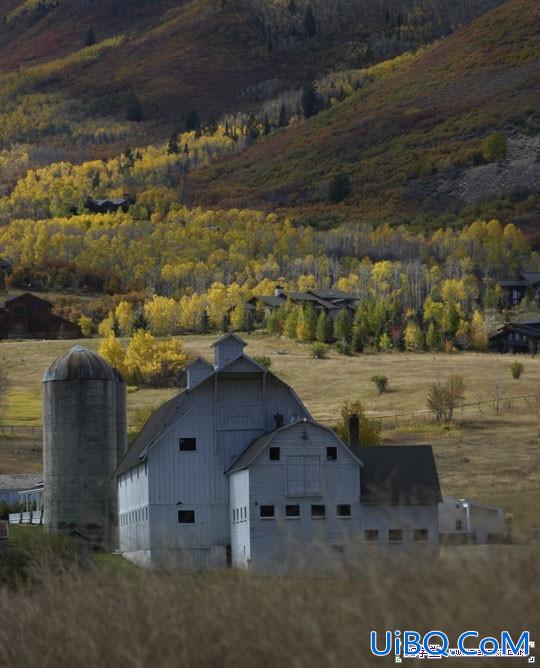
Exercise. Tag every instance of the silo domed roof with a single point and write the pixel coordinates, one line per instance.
(81, 364)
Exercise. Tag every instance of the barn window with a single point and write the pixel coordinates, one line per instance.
(274, 454)
(318, 511)
(188, 444)
(338, 548)
(331, 454)
(371, 535)
(186, 517)
(395, 535)
(420, 535)
(343, 510)
(459, 525)
(267, 512)
(292, 511)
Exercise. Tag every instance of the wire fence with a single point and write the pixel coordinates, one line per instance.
(494, 406)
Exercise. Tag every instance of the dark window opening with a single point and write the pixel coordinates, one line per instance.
(318, 511)
(267, 511)
(420, 535)
(331, 454)
(371, 535)
(338, 548)
(186, 517)
(343, 510)
(292, 511)
(188, 444)
(459, 525)
(274, 454)
(395, 535)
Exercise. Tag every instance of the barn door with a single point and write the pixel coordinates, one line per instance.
(295, 475)
(311, 475)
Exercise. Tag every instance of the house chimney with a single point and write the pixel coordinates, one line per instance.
(354, 430)
(278, 291)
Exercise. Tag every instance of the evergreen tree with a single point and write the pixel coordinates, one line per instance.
(323, 331)
(193, 122)
(172, 146)
(433, 340)
(306, 325)
(205, 323)
(310, 25)
(291, 322)
(134, 111)
(342, 326)
(90, 38)
(340, 188)
(283, 120)
(310, 101)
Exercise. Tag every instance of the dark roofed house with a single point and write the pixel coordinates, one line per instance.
(30, 317)
(517, 337)
(330, 301)
(516, 289)
(109, 205)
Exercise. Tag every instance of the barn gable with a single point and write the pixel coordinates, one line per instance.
(227, 349)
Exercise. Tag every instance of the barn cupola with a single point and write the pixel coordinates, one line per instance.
(227, 349)
(197, 371)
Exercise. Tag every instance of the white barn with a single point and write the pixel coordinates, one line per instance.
(234, 470)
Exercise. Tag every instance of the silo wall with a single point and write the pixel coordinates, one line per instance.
(81, 441)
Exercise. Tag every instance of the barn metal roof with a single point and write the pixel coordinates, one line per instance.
(79, 363)
(19, 481)
(399, 475)
(162, 417)
(153, 427)
(259, 444)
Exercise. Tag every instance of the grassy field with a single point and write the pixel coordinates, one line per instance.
(71, 614)
(494, 458)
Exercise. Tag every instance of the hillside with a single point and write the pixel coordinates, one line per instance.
(420, 140)
(107, 73)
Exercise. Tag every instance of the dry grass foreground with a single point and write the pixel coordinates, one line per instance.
(493, 458)
(124, 618)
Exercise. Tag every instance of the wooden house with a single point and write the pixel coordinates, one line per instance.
(109, 205)
(329, 301)
(517, 337)
(30, 317)
(516, 289)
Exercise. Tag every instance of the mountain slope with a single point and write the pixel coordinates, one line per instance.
(427, 134)
(214, 56)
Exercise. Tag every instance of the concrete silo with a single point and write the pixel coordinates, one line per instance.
(84, 438)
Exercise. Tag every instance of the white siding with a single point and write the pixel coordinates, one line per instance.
(240, 519)
(196, 480)
(133, 510)
(303, 477)
(408, 519)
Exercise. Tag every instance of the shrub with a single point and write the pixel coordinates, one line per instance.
(263, 360)
(343, 348)
(381, 382)
(318, 350)
(443, 399)
(516, 368)
(385, 343)
(370, 430)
